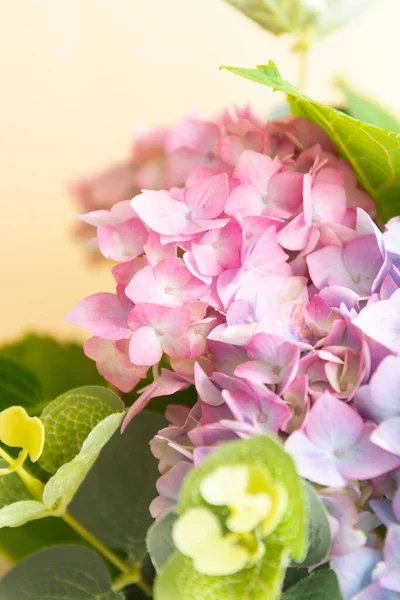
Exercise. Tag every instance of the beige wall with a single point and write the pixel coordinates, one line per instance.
(76, 74)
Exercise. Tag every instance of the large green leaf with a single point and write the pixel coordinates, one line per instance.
(159, 540)
(18, 385)
(113, 501)
(366, 109)
(264, 451)
(18, 542)
(319, 531)
(178, 580)
(70, 418)
(62, 572)
(374, 153)
(320, 585)
(58, 366)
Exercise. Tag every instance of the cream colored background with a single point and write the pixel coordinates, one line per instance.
(76, 74)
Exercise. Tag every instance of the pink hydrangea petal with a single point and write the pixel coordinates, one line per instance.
(348, 535)
(326, 262)
(373, 592)
(124, 272)
(207, 391)
(257, 371)
(363, 260)
(396, 504)
(104, 315)
(392, 549)
(296, 234)
(160, 212)
(122, 242)
(287, 321)
(176, 346)
(194, 133)
(313, 462)
(155, 251)
(145, 347)
(333, 425)
(284, 194)
(297, 398)
(243, 201)
(206, 259)
(168, 486)
(175, 321)
(145, 314)
(208, 199)
(99, 217)
(366, 460)
(166, 384)
(381, 321)
(113, 363)
(172, 272)
(354, 571)
(329, 203)
(385, 386)
(387, 436)
(257, 169)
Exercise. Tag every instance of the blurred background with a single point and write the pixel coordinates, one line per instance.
(77, 75)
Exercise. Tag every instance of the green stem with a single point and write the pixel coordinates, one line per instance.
(130, 573)
(34, 486)
(124, 580)
(97, 544)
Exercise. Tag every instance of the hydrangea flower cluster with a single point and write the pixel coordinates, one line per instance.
(260, 277)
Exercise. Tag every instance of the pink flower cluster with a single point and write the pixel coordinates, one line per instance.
(261, 278)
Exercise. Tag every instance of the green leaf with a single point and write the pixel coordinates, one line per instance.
(58, 366)
(180, 581)
(122, 482)
(264, 451)
(11, 488)
(293, 575)
(320, 585)
(19, 513)
(319, 532)
(366, 109)
(18, 386)
(62, 487)
(373, 153)
(159, 540)
(18, 542)
(67, 572)
(306, 21)
(70, 418)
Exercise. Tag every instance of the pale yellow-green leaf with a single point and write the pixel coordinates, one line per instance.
(18, 513)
